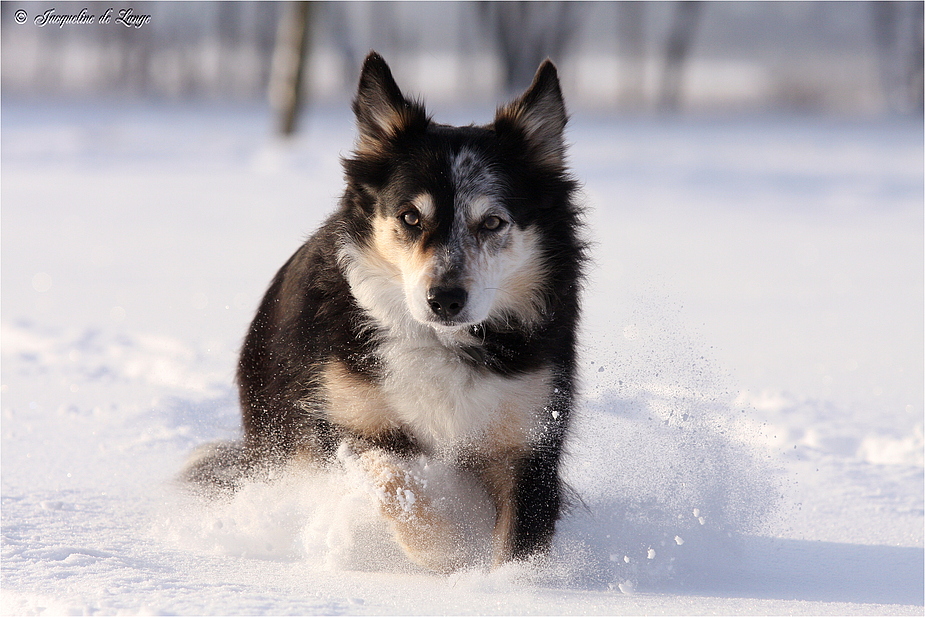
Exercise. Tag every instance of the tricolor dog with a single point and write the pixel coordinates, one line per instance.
(429, 324)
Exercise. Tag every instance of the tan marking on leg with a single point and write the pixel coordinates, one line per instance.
(498, 476)
(518, 424)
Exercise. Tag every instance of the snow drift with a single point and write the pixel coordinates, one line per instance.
(750, 433)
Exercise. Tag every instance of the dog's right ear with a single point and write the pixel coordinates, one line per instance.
(382, 112)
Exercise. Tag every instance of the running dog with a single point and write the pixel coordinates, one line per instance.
(429, 323)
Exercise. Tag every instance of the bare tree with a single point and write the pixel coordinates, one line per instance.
(527, 33)
(680, 39)
(900, 70)
(287, 73)
(631, 48)
(917, 64)
(885, 16)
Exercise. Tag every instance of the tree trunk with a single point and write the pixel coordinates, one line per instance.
(631, 44)
(677, 50)
(287, 73)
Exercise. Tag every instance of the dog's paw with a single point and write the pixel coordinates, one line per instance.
(442, 519)
(398, 488)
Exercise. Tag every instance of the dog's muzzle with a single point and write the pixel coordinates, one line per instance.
(446, 302)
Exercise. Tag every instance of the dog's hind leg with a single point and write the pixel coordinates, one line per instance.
(218, 468)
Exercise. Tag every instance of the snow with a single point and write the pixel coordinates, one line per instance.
(749, 441)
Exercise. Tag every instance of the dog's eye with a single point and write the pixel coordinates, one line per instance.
(411, 218)
(493, 223)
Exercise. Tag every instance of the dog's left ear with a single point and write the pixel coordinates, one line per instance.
(382, 112)
(538, 115)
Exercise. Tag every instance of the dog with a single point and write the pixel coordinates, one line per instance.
(429, 323)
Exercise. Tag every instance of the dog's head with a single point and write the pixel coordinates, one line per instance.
(456, 226)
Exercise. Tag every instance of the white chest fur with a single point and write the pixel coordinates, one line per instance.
(449, 404)
(426, 387)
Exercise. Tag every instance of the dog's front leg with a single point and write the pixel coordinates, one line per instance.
(437, 514)
(527, 494)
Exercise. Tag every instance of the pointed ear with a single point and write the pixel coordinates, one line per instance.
(538, 116)
(381, 110)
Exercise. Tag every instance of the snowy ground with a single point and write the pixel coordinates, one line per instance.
(751, 436)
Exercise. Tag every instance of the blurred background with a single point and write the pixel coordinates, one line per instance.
(634, 57)
(803, 118)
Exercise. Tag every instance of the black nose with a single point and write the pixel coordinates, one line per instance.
(447, 302)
